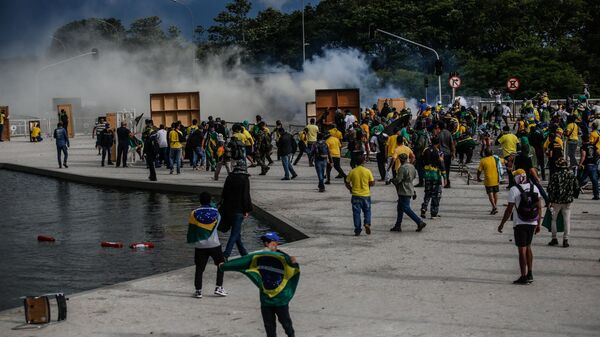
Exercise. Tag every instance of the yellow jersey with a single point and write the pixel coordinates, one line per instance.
(174, 142)
(335, 146)
(359, 178)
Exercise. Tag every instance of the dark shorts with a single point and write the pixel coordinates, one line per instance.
(203, 253)
(492, 189)
(249, 150)
(524, 235)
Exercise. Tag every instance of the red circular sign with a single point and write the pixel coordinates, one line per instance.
(513, 84)
(454, 81)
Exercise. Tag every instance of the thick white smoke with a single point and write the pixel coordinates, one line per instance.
(119, 80)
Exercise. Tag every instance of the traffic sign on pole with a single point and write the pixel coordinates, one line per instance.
(454, 82)
(513, 84)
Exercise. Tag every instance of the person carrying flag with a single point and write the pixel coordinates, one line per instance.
(276, 275)
(202, 233)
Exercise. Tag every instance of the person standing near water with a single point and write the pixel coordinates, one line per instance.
(62, 144)
(236, 205)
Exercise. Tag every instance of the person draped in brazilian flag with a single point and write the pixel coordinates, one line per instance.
(202, 232)
(276, 275)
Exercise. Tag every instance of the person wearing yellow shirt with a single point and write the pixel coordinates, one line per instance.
(359, 182)
(249, 144)
(400, 149)
(301, 145)
(311, 137)
(2, 121)
(175, 139)
(391, 143)
(508, 141)
(333, 131)
(36, 133)
(490, 167)
(365, 127)
(335, 150)
(572, 134)
(554, 148)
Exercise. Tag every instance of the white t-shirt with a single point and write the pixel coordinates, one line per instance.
(505, 111)
(162, 138)
(374, 144)
(349, 120)
(514, 196)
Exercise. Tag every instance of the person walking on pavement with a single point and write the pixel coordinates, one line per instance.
(490, 166)
(378, 145)
(589, 164)
(335, 150)
(236, 205)
(202, 233)
(107, 139)
(433, 161)
(311, 138)
(263, 147)
(62, 144)
(321, 158)
(448, 149)
(123, 134)
(525, 205)
(562, 189)
(286, 146)
(359, 182)
(151, 150)
(302, 145)
(164, 146)
(175, 139)
(405, 189)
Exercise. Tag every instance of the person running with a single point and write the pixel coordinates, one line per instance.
(286, 146)
(236, 205)
(302, 146)
(335, 150)
(279, 277)
(321, 157)
(562, 189)
(589, 165)
(433, 162)
(359, 182)
(405, 189)
(525, 205)
(175, 139)
(62, 144)
(202, 233)
(490, 166)
(123, 134)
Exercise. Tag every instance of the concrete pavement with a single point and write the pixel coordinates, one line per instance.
(453, 279)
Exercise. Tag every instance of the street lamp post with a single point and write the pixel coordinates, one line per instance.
(303, 38)
(422, 46)
(61, 43)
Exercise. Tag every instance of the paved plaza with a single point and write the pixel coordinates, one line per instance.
(452, 279)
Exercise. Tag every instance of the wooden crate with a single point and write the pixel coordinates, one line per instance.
(166, 108)
(6, 131)
(69, 110)
(311, 111)
(398, 103)
(111, 118)
(328, 100)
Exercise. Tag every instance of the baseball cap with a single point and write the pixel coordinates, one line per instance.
(269, 237)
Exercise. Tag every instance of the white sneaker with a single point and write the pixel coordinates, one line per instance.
(219, 291)
(198, 294)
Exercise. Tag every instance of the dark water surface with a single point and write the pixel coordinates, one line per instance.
(79, 217)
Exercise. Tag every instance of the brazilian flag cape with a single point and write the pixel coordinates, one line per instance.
(272, 272)
(202, 223)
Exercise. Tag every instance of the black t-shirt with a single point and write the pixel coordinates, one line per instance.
(523, 162)
(590, 154)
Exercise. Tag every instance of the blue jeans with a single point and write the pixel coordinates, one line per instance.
(404, 207)
(286, 161)
(320, 166)
(175, 158)
(361, 204)
(235, 237)
(62, 150)
(591, 171)
(198, 154)
(164, 156)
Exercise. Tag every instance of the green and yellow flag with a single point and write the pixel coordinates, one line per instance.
(272, 272)
(202, 223)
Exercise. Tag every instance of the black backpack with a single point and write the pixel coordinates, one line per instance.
(237, 149)
(528, 205)
(294, 144)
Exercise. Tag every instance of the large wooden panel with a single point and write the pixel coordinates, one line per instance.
(328, 100)
(166, 108)
(6, 131)
(311, 111)
(111, 118)
(69, 110)
(398, 103)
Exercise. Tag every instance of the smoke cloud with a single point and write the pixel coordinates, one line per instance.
(122, 80)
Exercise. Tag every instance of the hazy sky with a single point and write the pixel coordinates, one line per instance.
(26, 25)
